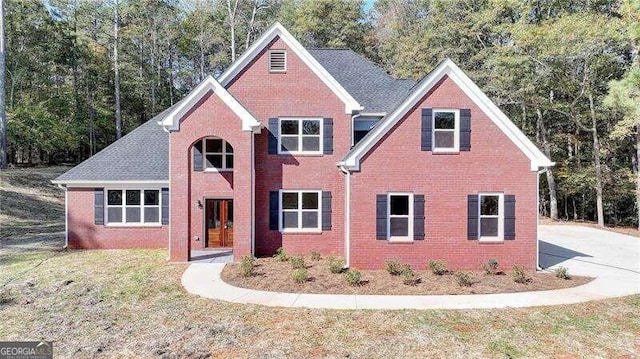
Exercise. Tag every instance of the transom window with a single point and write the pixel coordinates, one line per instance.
(300, 136)
(218, 154)
(491, 216)
(133, 206)
(400, 216)
(300, 211)
(446, 130)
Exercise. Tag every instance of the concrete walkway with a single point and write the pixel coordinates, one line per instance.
(612, 258)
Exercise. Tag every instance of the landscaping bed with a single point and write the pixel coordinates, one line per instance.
(273, 274)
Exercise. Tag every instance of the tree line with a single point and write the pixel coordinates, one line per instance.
(81, 73)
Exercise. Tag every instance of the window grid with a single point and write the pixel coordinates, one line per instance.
(123, 206)
(455, 131)
(300, 211)
(408, 216)
(300, 135)
(226, 153)
(499, 216)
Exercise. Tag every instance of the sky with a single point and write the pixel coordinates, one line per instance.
(368, 4)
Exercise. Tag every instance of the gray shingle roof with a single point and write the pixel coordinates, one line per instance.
(369, 84)
(141, 155)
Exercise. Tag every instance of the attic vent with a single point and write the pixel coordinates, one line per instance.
(277, 61)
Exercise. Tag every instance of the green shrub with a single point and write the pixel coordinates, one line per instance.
(281, 255)
(315, 256)
(562, 273)
(335, 265)
(519, 275)
(300, 275)
(297, 262)
(491, 267)
(393, 266)
(247, 267)
(408, 276)
(465, 279)
(438, 267)
(353, 277)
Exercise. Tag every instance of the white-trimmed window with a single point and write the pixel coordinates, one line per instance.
(300, 136)
(133, 206)
(300, 211)
(446, 130)
(277, 60)
(400, 216)
(218, 154)
(491, 211)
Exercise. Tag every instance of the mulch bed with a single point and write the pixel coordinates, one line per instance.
(276, 276)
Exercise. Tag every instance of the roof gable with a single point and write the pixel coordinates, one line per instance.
(277, 30)
(171, 120)
(447, 68)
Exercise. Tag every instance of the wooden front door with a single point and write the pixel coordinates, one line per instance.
(218, 216)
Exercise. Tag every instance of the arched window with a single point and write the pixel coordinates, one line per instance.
(217, 154)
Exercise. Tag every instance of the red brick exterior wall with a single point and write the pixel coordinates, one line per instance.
(83, 233)
(298, 92)
(397, 164)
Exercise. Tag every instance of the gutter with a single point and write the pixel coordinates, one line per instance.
(66, 216)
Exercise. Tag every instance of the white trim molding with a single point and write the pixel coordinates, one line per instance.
(277, 30)
(171, 122)
(119, 184)
(448, 68)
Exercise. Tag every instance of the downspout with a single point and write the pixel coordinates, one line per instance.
(66, 216)
(538, 218)
(347, 216)
(253, 197)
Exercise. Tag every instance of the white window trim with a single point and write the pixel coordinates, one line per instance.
(500, 236)
(299, 210)
(271, 70)
(223, 153)
(409, 237)
(301, 136)
(456, 131)
(123, 206)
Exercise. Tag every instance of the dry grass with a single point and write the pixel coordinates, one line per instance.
(630, 231)
(130, 304)
(274, 275)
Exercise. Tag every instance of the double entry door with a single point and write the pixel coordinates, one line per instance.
(218, 216)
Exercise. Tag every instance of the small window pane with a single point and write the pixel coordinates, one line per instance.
(444, 139)
(289, 127)
(399, 227)
(133, 198)
(151, 198)
(489, 205)
(114, 198)
(309, 219)
(310, 127)
(229, 148)
(310, 200)
(399, 205)
(133, 214)
(151, 214)
(214, 161)
(488, 227)
(289, 144)
(311, 143)
(290, 200)
(229, 161)
(359, 135)
(114, 215)
(444, 120)
(290, 219)
(214, 145)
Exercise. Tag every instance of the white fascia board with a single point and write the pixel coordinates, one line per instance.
(449, 68)
(123, 184)
(277, 30)
(172, 121)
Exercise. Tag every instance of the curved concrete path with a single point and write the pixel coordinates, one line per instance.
(614, 259)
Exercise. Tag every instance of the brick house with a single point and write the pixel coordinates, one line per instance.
(317, 150)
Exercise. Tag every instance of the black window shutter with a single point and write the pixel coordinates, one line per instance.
(509, 217)
(418, 217)
(427, 129)
(465, 129)
(98, 205)
(381, 216)
(197, 156)
(327, 136)
(472, 216)
(273, 210)
(274, 133)
(165, 205)
(326, 210)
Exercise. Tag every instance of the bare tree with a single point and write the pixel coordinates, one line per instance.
(3, 113)
(232, 10)
(116, 74)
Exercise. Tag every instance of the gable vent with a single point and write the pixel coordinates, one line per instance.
(277, 61)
